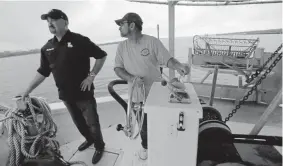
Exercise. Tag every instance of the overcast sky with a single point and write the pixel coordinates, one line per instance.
(22, 28)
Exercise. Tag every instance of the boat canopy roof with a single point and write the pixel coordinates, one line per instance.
(207, 2)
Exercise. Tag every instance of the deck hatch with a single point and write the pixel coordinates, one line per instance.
(109, 158)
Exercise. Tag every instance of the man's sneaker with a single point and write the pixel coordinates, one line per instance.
(143, 154)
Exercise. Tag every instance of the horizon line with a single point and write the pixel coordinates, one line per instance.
(253, 32)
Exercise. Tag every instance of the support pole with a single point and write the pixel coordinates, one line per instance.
(263, 119)
(158, 31)
(213, 85)
(205, 77)
(161, 68)
(171, 11)
(259, 53)
(190, 62)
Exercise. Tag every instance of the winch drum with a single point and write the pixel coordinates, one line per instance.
(215, 142)
(210, 113)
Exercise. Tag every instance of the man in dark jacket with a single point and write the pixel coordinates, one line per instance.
(67, 56)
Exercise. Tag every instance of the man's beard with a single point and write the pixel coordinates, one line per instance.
(52, 30)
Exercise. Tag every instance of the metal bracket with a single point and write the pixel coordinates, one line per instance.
(181, 122)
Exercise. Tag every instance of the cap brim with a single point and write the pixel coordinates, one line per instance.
(118, 22)
(44, 17)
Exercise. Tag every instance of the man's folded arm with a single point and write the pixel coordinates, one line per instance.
(123, 74)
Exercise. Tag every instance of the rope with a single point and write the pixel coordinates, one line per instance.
(23, 143)
(136, 110)
(77, 163)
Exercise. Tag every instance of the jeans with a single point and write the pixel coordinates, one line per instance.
(144, 132)
(85, 117)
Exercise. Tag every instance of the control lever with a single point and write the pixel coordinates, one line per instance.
(125, 129)
(119, 127)
(177, 90)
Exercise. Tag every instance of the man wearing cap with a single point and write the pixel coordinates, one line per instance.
(67, 56)
(140, 56)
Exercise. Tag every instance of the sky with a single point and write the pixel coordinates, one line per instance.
(21, 27)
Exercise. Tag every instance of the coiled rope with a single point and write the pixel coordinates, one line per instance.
(23, 143)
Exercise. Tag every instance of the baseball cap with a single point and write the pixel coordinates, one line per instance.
(130, 17)
(54, 14)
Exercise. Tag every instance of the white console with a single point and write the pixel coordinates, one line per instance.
(170, 144)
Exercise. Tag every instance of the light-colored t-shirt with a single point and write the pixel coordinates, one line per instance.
(142, 59)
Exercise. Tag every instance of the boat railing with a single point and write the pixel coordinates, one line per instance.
(248, 69)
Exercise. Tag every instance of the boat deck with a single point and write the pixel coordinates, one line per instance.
(121, 151)
(119, 147)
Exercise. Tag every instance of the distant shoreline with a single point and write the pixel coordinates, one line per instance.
(7, 54)
(256, 32)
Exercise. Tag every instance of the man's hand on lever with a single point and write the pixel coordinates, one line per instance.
(183, 69)
(176, 65)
